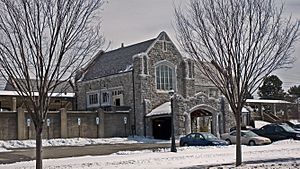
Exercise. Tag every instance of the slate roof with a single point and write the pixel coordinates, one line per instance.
(115, 61)
(64, 87)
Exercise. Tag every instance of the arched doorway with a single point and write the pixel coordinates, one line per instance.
(162, 128)
(201, 121)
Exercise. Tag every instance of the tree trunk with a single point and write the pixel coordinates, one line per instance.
(38, 151)
(238, 138)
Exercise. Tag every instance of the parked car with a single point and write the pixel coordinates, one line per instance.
(201, 139)
(247, 137)
(278, 131)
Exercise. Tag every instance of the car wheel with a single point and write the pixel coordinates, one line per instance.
(228, 141)
(185, 144)
(252, 143)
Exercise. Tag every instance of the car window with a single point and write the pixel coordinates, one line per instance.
(199, 136)
(209, 136)
(268, 129)
(250, 134)
(233, 133)
(286, 128)
(278, 129)
(191, 136)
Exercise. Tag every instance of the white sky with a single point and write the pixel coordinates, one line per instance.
(132, 21)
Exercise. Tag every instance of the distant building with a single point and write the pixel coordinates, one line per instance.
(10, 100)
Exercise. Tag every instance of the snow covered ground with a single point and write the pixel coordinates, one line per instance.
(282, 154)
(11, 144)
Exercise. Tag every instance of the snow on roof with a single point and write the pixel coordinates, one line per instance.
(163, 109)
(267, 101)
(14, 93)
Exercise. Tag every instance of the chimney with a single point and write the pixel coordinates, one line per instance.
(122, 45)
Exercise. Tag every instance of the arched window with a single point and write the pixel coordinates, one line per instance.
(165, 77)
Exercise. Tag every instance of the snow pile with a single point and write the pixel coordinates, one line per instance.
(10, 144)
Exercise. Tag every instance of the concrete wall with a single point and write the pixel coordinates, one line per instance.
(64, 124)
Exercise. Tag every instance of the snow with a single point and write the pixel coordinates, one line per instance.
(259, 123)
(283, 154)
(164, 108)
(11, 144)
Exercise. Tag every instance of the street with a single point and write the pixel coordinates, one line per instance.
(61, 152)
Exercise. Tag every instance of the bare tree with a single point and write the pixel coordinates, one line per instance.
(46, 40)
(236, 44)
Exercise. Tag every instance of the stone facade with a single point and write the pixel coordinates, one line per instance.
(151, 73)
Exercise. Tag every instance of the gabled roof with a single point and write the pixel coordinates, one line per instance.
(115, 61)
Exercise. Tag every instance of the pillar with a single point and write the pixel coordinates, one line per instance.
(14, 104)
(101, 130)
(21, 123)
(215, 122)
(187, 123)
(63, 123)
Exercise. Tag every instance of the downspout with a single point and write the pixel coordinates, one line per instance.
(134, 114)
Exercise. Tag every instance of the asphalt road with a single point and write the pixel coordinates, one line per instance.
(60, 152)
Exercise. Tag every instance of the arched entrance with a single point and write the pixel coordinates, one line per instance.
(202, 118)
(162, 128)
(201, 121)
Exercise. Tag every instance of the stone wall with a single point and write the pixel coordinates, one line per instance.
(64, 124)
(8, 125)
(147, 96)
(106, 83)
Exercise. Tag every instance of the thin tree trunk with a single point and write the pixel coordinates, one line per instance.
(238, 139)
(38, 152)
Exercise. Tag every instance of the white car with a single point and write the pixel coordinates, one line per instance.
(247, 137)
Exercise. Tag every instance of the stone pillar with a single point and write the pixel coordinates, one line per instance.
(14, 104)
(187, 123)
(63, 123)
(101, 130)
(215, 122)
(21, 123)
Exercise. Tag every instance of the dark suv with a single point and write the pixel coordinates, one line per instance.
(277, 132)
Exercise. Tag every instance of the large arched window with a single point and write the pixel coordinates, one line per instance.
(165, 74)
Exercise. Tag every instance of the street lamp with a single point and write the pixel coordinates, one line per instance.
(173, 145)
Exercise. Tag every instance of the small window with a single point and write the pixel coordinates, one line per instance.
(105, 97)
(164, 45)
(145, 65)
(190, 69)
(93, 99)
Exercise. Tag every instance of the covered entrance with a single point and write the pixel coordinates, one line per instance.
(162, 128)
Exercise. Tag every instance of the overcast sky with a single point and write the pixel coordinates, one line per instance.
(132, 21)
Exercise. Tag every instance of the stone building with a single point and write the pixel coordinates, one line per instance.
(134, 81)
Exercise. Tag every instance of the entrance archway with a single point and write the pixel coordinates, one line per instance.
(162, 128)
(201, 121)
(202, 117)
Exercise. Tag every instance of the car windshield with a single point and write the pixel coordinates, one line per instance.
(209, 136)
(287, 128)
(250, 134)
